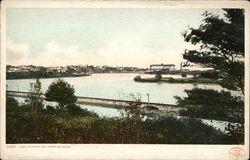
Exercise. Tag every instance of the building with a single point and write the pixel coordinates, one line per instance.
(162, 67)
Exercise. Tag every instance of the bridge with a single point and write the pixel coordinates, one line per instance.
(104, 102)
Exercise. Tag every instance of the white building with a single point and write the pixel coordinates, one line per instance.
(162, 67)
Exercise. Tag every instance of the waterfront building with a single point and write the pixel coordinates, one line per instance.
(162, 67)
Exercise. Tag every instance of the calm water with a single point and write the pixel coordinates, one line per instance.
(116, 86)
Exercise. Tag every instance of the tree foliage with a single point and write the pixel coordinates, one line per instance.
(211, 104)
(11, 104)
(158, 76)
(221, 46)
(34, 99)
(61, 92)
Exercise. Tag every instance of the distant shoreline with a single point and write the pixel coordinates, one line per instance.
(16, 78)
(177, 80)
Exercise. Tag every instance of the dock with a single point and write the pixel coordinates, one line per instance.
(104, 102)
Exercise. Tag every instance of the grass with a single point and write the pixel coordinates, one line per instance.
(81, 126)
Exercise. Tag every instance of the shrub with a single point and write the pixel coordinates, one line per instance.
(137, 78)
(11, 104)
(183, 75)
(78, 111)
(158, 76)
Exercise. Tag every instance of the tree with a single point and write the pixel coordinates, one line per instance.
(11, 104)
(183, 75)
(158, 76)
(211, 104)
(35, 100)
(61, 92)
(221, 46)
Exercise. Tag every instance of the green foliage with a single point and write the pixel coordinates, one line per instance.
(181, 80)
(158, 76)
(68, 126)
(50, 108)
(235, 133)
(76, 110)
(12, 104)
(183, 75)
(211, 104)
(61, 92)
(221, 42)
(133, 110)
(41, 72)
(34, 99)
(137, 78)
(151, 107)
(209, 74)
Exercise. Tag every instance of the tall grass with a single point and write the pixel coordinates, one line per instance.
(52, 126)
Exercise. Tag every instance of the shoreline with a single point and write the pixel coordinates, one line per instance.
(177, 80)
(70, 76)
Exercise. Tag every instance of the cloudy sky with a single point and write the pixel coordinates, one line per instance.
(115, 37)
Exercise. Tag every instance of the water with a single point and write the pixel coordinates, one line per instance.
(116, 86)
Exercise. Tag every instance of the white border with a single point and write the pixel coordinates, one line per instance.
(121, 151)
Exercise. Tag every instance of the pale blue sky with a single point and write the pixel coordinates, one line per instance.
(103, 36)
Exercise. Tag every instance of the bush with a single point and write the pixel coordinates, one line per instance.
(50, 108)
(158, 76)
(11, 104)
(151, 108)
(209, 74)
(78, 111)
(171, 79)
(47, 128)
(76, 125)
(137, 78)
(183, 75)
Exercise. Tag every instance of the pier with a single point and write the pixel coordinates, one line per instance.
(104, 102)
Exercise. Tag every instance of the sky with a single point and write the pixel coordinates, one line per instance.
(98, 36)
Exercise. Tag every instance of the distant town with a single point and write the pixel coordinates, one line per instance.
(31, 71)
(73, 68)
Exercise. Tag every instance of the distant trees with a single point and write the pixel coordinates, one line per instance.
(61, 92)
(221, 46)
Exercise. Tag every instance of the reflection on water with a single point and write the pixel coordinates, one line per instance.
(115, 86)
